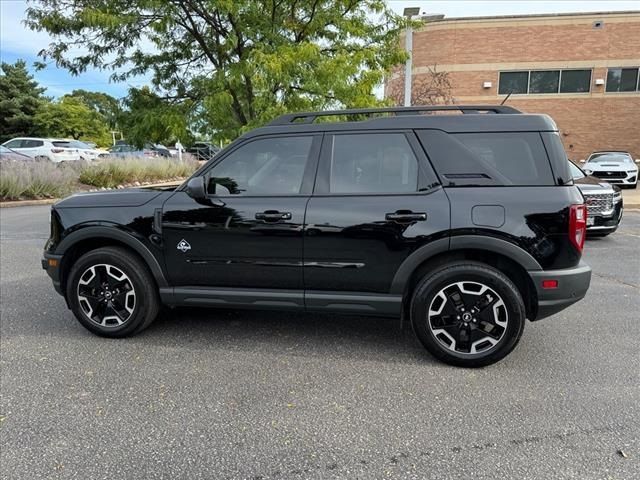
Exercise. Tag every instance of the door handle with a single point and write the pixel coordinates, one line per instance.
(273, 216)
(402, 216)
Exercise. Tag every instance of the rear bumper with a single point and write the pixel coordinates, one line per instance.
(573, 284)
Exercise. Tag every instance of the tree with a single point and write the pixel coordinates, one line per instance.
(430, 88)
(240, 62)
(20, 99)
(149, 118)
(70, 117)
(102, 103)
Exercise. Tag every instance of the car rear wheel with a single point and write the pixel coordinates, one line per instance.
(468, 314)
(112, 293)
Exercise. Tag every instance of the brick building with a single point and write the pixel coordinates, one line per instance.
(582, 69)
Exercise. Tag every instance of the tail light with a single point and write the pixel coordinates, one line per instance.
(578, 225)
(57, 150)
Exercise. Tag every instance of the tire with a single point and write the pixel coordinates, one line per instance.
(488, 307)
(112, 293)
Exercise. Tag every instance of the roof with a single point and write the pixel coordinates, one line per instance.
(409, 120)
(442, 18)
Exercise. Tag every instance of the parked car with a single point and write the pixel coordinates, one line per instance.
(161, 150)
(603, 200)
(204, 151)
(86, 151)
(614, 167)
(6, 154)
(56, 150)
(125, 150)
(465, 234)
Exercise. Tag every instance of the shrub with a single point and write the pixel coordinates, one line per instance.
(110, 173)
(34, 180)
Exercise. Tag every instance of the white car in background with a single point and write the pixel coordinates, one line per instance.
(44, 148)
(613, 167)
(86, 151)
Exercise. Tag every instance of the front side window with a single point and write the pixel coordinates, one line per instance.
(622, 80)
(14, 144)
(513, 82)
(544, 81)
(373, 163)
(270, 166)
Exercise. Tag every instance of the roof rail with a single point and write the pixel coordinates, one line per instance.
(310, 117)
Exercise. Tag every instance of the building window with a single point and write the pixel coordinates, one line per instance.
(544, 81)
(575, 81)
(513, 82)
(622, 80)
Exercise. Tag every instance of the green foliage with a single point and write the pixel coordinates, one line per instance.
(102, 103)
(231, 64)
(113, 172)
(20, 99)
(150, 118)
(70, 117)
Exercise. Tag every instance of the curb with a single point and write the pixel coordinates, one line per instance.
(28, 203)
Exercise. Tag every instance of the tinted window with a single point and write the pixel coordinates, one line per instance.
(622, 79)
(575, 81)
(61, 144)
(373, 163)
(513, 82)
(272, 166)
(466, 159)
(32, 143)
(544, 81)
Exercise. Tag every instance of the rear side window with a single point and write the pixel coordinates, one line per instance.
(373, 163)
(490, 158)
(61, 144)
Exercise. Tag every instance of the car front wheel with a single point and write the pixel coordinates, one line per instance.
(468, 314)
(112, 293)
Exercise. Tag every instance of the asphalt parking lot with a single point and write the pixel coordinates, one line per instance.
(254, 395)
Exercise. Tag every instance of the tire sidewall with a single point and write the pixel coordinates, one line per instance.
(132, 270)
(429, 287)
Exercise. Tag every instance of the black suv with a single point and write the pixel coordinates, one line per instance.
(464, 219)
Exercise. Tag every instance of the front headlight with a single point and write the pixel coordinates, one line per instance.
(631, 171)
(617, 196)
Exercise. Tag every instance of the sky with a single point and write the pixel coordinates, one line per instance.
(18, 42)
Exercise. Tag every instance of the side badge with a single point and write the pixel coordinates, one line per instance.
(183, 246)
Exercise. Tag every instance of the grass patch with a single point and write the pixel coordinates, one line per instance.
(35, 180)
(110, 173)
(44, 179)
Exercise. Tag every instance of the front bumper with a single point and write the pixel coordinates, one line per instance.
(573, 284)
(51, 264)
(606, 223)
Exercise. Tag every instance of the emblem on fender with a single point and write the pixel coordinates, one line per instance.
(183, 246)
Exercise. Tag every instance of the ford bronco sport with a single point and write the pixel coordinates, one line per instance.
(464, 219)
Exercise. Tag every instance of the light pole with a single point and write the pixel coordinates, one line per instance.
(409, 13)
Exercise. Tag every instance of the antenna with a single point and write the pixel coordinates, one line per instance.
(507, 97)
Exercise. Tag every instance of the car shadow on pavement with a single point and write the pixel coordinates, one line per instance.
(287, 332)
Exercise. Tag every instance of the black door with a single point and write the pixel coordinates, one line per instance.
(248, 233)
(376, 201)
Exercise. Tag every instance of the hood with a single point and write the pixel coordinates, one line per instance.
(610, 166)
(128, 197)
(592, 183)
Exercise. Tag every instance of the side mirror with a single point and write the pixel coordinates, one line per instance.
(582, 161)
(637, 160)
(196, 188)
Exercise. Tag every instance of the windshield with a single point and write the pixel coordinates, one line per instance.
(609, 157)
(576, 173)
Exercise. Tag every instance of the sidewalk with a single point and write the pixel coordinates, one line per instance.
(631, 198)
